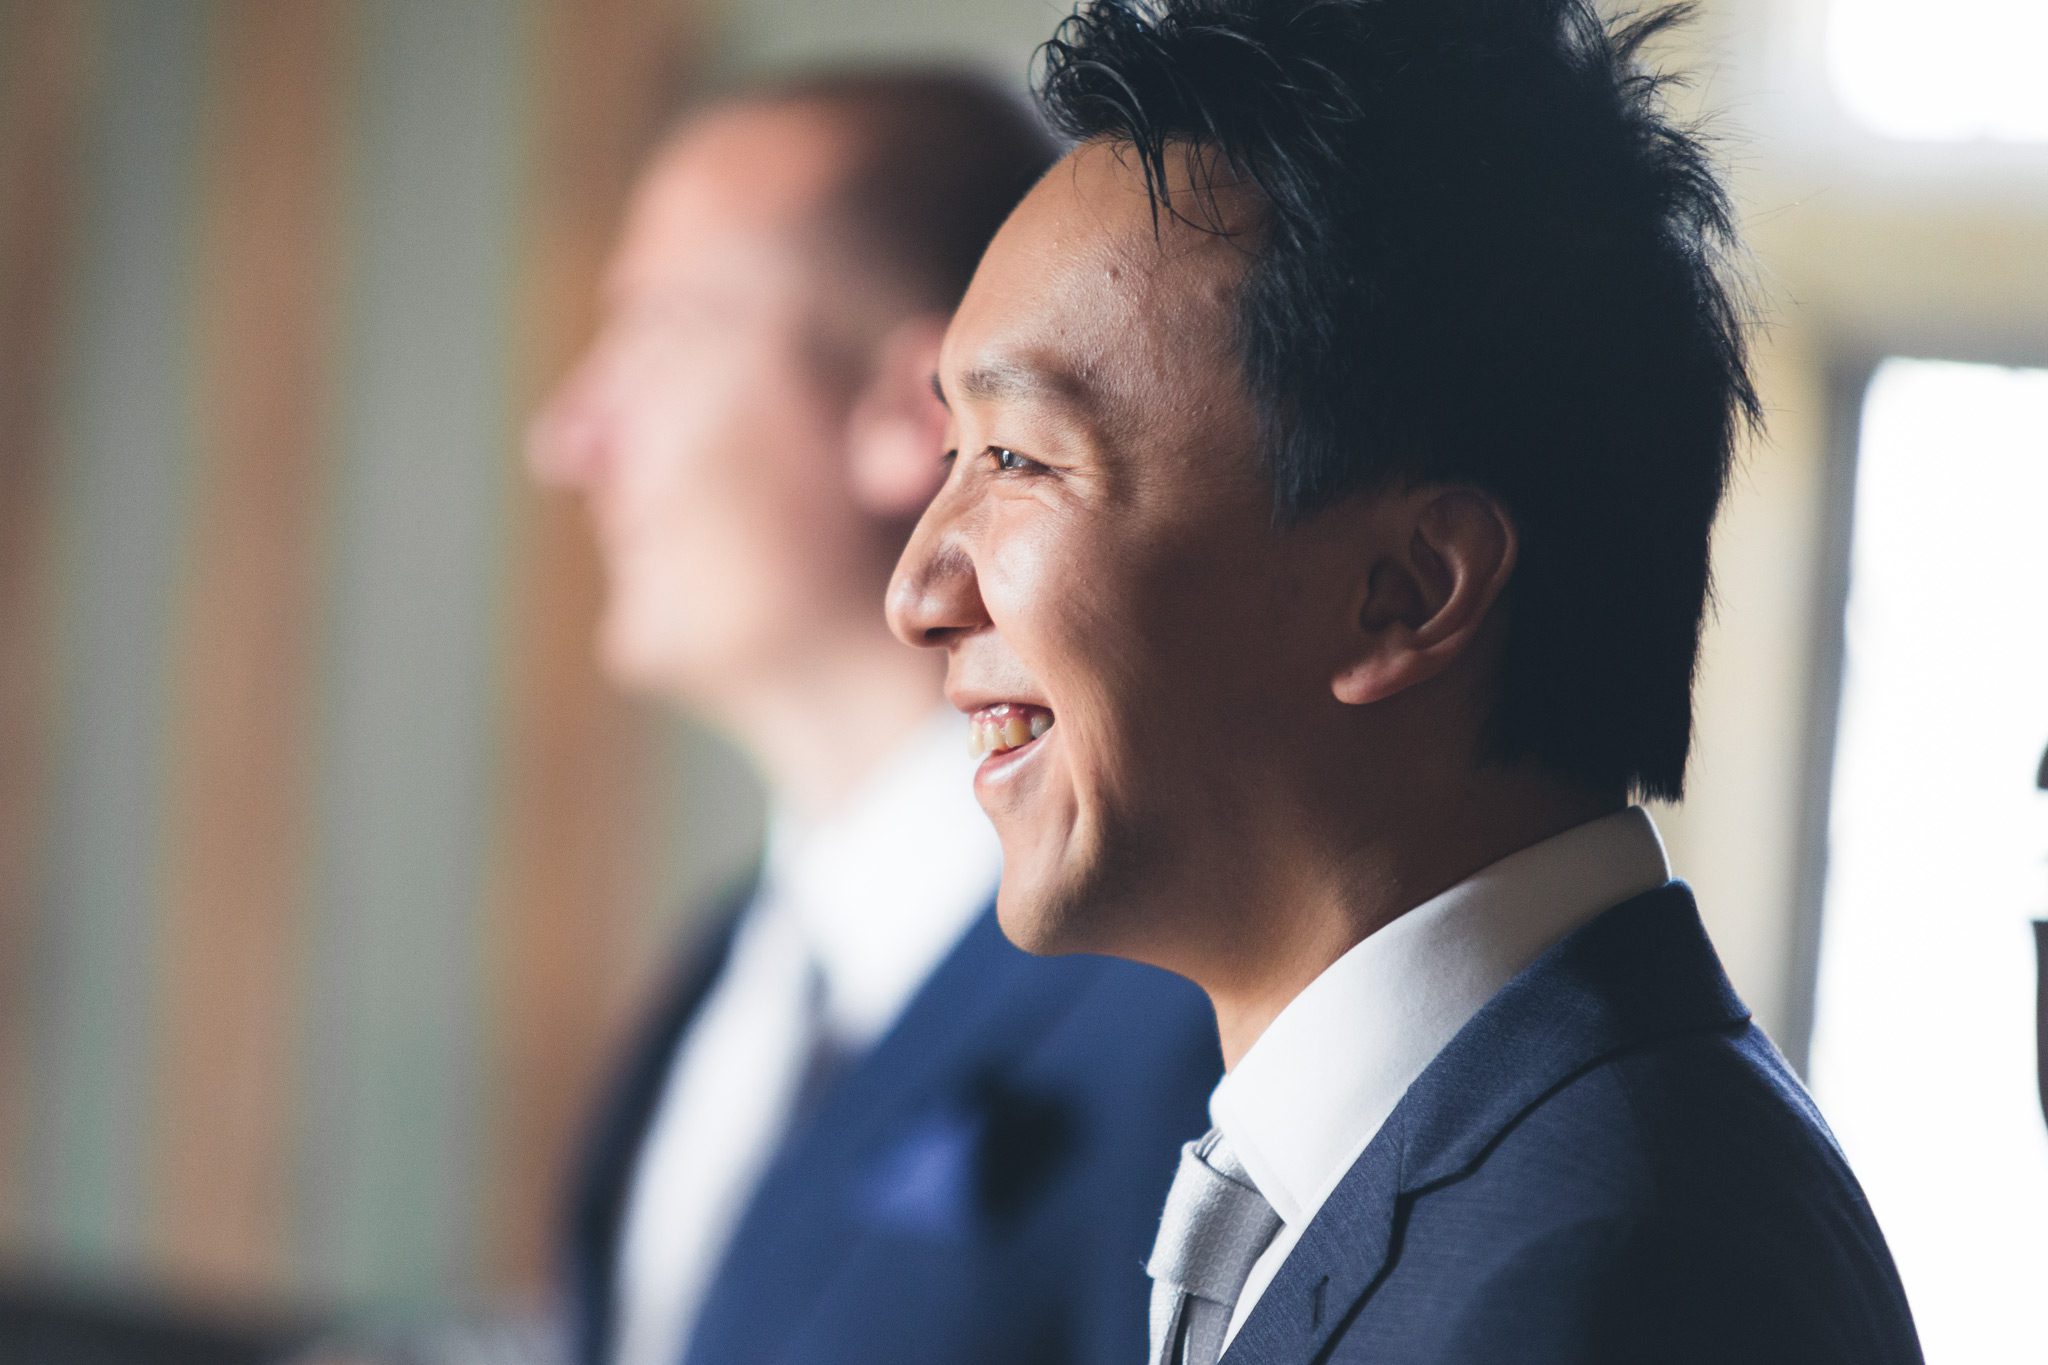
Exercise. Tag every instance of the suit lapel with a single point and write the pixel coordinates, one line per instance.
(1642, 971)
(897, 1144)
(1331, 1267)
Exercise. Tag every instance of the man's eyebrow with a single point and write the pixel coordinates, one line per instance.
(998, 379)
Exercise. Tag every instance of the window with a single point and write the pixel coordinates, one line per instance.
(1923, 1051)
(1960, 70)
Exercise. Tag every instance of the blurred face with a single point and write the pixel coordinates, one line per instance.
(701, 427)
(1121, 616)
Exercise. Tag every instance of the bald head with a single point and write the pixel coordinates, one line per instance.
(931, 162)
(752, 427)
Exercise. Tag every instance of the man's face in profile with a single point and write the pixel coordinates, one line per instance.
(700, 424)
(1104, 568)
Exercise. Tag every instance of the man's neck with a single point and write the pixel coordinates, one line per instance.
(818, 731)
(1369, 886)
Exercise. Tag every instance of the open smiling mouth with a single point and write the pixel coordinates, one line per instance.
(1006, 728)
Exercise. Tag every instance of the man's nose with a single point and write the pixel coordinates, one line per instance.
(565, 441)
(935, 597)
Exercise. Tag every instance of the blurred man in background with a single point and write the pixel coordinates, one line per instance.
(859, 1126)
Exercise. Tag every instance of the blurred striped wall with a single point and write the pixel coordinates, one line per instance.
(328, 867)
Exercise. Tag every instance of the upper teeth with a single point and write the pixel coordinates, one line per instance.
(1005, 726)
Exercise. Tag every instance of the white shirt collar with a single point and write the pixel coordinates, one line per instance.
(1310, 1094)
(883, 886)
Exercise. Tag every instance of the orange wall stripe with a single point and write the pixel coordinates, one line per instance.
(565, 917)
(235, 880)
(46, 72)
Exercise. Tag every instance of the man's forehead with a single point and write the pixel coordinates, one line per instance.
(732, 174)
(785, 154)
(1083, 274)
(1097, 199)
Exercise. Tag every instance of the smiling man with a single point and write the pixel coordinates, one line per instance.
(1337, 432)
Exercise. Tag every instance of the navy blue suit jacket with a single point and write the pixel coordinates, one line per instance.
(1609, 1164)
(982, 1187)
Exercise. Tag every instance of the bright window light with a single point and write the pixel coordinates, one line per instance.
(1923, 1052)
(1948, 72)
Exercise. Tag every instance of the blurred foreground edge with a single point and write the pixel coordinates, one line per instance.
(2041, 1010)
(44, 1323)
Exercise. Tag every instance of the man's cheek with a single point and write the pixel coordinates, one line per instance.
(1030, 587)
(1021, 560)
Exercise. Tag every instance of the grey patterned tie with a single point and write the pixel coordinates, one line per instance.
(1215, 1225)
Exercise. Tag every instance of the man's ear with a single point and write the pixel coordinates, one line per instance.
(1441, 558)
(896, 430)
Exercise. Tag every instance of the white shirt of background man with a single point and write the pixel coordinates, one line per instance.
(854, 911)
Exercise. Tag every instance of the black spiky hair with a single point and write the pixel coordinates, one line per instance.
(1486, 255)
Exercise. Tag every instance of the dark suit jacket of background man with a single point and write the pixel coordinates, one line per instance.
(982, 1187)
(1609, 1164)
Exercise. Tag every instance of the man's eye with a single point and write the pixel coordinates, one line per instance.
(1011, 462)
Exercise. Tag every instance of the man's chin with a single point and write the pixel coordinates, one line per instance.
(1036, 922)
(628, 657)
(651, 663)
(1054, 920)
(1098, 912)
